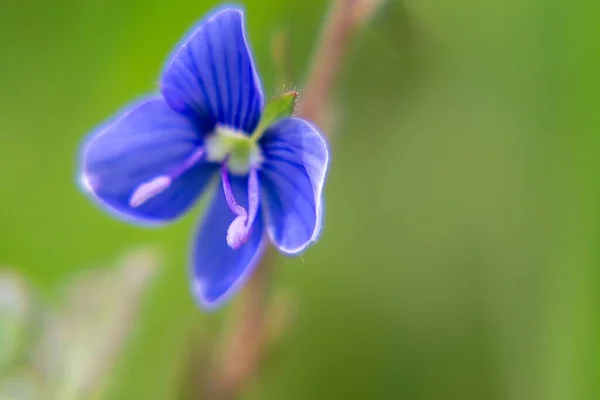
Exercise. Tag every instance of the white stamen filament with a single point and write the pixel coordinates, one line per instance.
(240, 228)
(149, 189)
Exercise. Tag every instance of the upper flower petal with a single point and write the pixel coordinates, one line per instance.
(144, 165)
(292, 175)
(213, 74)
(218, 269)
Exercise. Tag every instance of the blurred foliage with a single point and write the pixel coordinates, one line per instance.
(459, 256)
(17, 316)
(65, 351)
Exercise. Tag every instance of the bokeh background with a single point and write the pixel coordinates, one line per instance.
(460, 254)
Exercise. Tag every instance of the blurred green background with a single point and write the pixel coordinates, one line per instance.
(459, 258)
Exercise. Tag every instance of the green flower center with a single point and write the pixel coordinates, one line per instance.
(238, 149)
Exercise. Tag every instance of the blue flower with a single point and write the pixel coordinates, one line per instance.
(152, 162)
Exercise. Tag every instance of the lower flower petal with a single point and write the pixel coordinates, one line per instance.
(145, 166)
(218, 269)
(292, 175)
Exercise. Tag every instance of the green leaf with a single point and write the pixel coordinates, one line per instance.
(277, 108)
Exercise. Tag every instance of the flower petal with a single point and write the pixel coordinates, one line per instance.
(143, 166)
(292, 175)
(218, 269)
(213, 74)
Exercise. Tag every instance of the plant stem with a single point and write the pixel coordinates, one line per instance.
(242, 352)
(244, 347)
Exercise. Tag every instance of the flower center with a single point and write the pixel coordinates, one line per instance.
(239, 150)
(238, 153)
